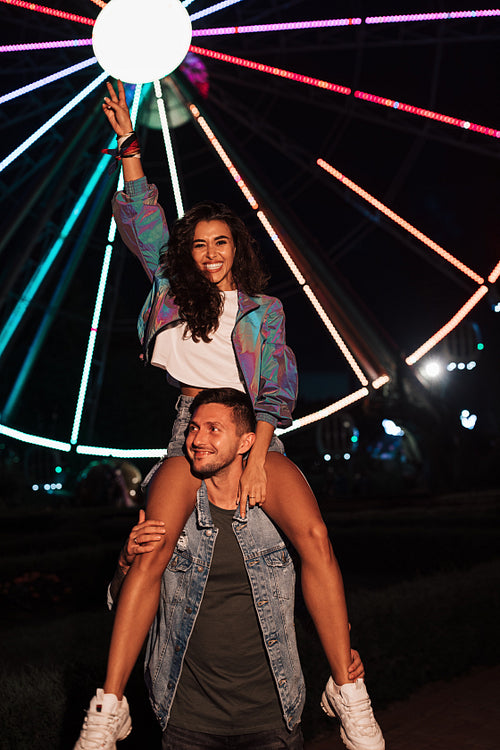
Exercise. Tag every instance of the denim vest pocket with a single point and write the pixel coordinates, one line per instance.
(178, 572)
(282, 572)
(180, 563)
(278, 558)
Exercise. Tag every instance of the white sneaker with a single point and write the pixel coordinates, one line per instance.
(351, 704)
(107, 721)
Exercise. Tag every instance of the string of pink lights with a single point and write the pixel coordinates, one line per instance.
(50, 11)
(270, 69)
(400, 221)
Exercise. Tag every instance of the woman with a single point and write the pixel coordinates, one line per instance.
(206, 307)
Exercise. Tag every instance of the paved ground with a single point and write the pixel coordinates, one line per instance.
(462, 714)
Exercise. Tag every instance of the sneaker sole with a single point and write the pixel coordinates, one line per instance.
(325, 705)
(329, 711)
(128, 728)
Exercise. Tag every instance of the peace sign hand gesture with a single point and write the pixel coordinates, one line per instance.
(116, 110)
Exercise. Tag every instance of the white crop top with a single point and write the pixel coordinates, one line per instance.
(200, 364)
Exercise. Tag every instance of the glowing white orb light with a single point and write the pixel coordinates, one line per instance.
(139, 41)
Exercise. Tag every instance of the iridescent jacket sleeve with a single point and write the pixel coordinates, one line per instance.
(141, 222)
(267, 363)
(278, 382)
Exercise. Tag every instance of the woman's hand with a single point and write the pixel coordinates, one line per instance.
(116, 110)
(356, 667)
(142, 538)
(253, 484)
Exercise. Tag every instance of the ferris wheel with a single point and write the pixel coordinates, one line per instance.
(333, 134)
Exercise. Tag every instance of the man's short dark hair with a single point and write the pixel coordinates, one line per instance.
(239, 402)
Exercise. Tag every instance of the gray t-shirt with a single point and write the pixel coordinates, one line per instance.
(226, 684)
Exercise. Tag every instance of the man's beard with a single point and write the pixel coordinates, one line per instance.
(214, 466)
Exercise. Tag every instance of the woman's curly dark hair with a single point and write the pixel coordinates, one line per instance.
(199, 300)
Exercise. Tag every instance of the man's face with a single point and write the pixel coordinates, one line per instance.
(212, 441)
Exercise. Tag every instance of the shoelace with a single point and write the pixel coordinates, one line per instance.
(95, 729)
(360, 713)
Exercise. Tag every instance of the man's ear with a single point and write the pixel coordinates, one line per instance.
(246, 442)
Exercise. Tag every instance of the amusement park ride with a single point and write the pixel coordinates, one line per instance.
(268, 105)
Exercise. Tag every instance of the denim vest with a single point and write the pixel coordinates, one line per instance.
(272, 579)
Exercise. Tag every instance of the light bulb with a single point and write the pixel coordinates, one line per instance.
(140, 42)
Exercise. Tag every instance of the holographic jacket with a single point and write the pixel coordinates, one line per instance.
(266, 363)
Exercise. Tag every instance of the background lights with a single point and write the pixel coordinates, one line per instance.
(467, 419)
(391, 428)
(327, 457)
(432, 369)
(347, 456)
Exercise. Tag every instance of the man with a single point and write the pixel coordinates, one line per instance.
(222, 666)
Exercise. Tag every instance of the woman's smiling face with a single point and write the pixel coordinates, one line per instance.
(213, 252)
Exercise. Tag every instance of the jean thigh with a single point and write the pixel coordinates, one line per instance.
(273, 739)
(177, 738)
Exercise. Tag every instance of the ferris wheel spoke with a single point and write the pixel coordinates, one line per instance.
(400, 221)
(50, 11)
(48, 79)
(290, 26)
(448, 328)
(212, 9)
(52, 121)
(34, 46)
(271, 69)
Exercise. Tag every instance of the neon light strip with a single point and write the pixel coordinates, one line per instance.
(223, 155)
(89, 450)
(100, 3)
(444, 16)
(335, 334)
(28, 46)
(187, 3)
(379, 382)
(213, 9)
(25, 437)
(445, 330)
(58, 116)
(326, 412)
(91, 344)
(282, 249)
(48, 79)
(94, 326)
(464, 124)
(273, 234)
(494, 274)
(50, 11)
(398, 220)
(42, 270)
(174, 177)
(329, 22)
(270, 69)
